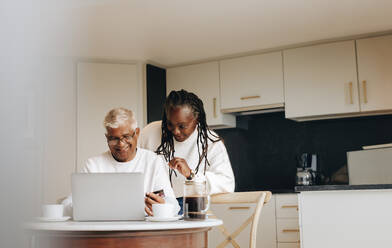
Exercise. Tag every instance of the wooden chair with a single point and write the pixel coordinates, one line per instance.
(60, 200)
(258, 197)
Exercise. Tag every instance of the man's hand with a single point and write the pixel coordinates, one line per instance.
(150, 199)
(181, 166)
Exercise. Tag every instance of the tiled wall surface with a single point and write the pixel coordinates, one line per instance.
(264, 155)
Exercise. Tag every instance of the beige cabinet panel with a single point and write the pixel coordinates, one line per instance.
(287, 206)
(287, 221)
(287, 230)
(252, 81)
(346, 218)
(321, 80)
(233, 217)
(289, 245)
(203, 80)
(375, 73)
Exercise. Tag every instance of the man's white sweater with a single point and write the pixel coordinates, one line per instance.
(152, 166)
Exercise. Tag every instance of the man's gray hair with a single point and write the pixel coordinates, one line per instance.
(119, 116)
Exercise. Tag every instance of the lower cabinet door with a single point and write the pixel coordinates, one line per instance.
(287, 206)
(233, 215)
(287, 230)
(289, 245)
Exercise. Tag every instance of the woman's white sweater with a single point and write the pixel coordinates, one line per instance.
(219, 174)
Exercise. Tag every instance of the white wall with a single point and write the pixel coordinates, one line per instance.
(59, 129)
(59, 121)
(103, 86)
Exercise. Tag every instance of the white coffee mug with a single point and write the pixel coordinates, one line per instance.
(52, 211)
(162, 210)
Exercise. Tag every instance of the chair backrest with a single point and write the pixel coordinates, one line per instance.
(257, 197)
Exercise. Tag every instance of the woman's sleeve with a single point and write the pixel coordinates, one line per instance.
(219, 175)
(150, 136)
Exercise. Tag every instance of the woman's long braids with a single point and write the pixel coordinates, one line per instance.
(183, 98)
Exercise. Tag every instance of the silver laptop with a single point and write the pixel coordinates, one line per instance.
(108, 196)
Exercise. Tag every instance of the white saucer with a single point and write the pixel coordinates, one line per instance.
(64, 218)
(174, 218)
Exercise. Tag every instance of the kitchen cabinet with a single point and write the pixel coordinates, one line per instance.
(286, 206)
(203, 80)
(321, 80)
(345, 218)
(375, 73)
(289, 245)
(278, 227)
(332, 80)
(100, 88)
(233, 215)
(287, 230)
(252, 82)
(287, 223)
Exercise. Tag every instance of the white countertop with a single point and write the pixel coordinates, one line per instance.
(120, 225)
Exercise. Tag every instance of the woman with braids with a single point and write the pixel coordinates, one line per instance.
(188, 145)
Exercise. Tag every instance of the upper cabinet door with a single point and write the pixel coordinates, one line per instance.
(252, 82)
(375, 73)
(203, 80)
(321, 80)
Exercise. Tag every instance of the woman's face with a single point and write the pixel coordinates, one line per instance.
(181, 122)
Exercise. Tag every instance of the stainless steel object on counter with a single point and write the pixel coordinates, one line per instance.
(306, 169)
(304, 178)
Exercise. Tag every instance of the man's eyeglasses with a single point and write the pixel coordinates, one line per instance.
(114, 140)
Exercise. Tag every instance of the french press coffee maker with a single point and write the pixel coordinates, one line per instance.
(305, 174)
(196, 199)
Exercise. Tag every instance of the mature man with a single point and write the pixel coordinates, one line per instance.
(123, 156)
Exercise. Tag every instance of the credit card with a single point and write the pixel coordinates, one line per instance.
(160, 192)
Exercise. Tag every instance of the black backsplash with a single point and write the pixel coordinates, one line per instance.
(263, 157)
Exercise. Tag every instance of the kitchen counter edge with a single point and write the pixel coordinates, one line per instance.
(342, 187)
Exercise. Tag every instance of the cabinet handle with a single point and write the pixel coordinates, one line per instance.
(365, 100)
(214, 102)
(290, 230)
(249, 97)
(350, 85)
(239, 208)
(290, 206)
